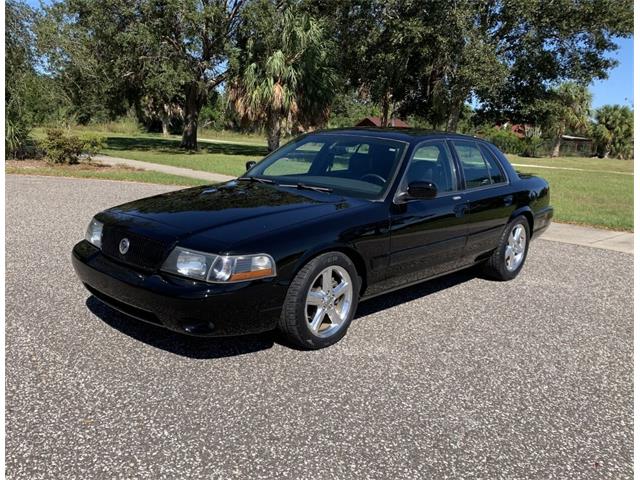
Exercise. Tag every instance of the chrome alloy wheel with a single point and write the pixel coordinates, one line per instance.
(328, 301)
(516, 246)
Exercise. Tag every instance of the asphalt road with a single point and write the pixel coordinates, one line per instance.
(456, 378)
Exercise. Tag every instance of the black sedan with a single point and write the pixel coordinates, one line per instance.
(328, 220)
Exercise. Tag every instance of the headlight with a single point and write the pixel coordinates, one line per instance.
(219, 268)
(94, 233)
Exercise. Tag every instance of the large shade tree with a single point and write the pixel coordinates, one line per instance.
(121, 53)
(378, 42)
(283, 78)
(547, 43)
(460, 59)
(198, 38)
(90, 53)
(429, 57)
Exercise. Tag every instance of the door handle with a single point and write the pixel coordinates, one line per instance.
(508, 200)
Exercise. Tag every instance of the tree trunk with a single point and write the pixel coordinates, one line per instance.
(454, 115)
(556, 147)
(164, 118)
(273, 132)
(192, 108)
(386, 107)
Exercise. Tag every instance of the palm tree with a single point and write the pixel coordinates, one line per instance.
(568, 109)
(287, 80)
(613, 131)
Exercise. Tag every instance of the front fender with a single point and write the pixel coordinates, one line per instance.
(348, 250)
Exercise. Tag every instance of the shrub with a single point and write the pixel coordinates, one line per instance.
(93, 143)
(62, 147)
(16, 134)
(530, 146)
(505, 140)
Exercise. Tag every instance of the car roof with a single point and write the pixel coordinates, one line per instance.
(411, 135)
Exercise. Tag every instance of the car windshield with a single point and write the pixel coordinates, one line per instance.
(358, 166)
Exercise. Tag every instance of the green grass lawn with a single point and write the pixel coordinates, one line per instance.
(225, 158)
(587, 198)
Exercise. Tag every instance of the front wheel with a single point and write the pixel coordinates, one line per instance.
(321, 302)
(508, 259)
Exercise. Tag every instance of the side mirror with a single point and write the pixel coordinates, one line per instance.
(250, 164)
(422, 190)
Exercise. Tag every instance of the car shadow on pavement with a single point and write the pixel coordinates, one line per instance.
(407, 294)
(209, 348)
(176, 343)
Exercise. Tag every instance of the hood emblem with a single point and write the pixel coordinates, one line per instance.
(124, 246)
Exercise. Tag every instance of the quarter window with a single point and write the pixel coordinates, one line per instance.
(497, 175)
(479, 170)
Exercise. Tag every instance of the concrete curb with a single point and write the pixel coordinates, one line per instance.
(571, 169)
(590, 237)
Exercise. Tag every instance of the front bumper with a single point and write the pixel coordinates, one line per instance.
(180, 304)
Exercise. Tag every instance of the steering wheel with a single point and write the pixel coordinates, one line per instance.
(378, 179)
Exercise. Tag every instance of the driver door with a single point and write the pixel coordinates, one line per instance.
(428, 236)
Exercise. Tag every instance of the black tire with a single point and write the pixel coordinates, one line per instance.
(294, 323)
(496, 267)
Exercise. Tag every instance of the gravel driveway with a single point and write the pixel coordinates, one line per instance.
(455, 378)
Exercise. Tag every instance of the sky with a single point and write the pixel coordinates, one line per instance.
(618, 88)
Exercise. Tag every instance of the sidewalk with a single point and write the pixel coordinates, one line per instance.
(156, 167)
(590, 237)
(557, 232)
(572, 169)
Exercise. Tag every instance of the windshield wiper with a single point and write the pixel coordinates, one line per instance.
(255, 179)
(304, 186)
(299, 185)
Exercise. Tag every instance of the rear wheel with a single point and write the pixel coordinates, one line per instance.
(321, 301)
(508, 259)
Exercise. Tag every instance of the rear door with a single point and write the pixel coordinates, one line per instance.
(487, 193)
(427, 236)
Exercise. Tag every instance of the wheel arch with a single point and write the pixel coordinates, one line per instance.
(527, 213)
(352, 253)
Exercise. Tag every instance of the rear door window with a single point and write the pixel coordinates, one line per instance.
(479, 170)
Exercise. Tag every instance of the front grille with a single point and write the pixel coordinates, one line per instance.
(143, 252)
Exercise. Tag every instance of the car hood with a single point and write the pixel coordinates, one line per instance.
(225, 213)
